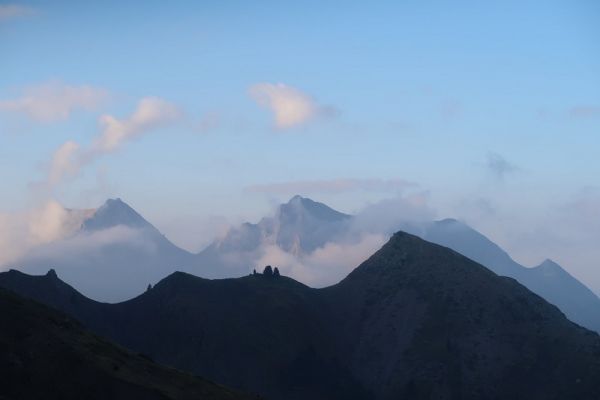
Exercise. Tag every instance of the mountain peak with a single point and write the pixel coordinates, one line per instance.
(51, 273)
(296, 199)
(447, 221)
(299, 205)
(112, 213)
(550, 266)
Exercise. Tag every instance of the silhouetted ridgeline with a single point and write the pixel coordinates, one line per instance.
(415, 321)
(116, 253)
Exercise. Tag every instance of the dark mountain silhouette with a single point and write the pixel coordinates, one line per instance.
(548, 280)
(116, 253)
(416, 320)
(46, 355)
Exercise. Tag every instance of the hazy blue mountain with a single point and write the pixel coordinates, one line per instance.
(113, 256)
(115, 212)
(298, 227)
(415, 321)
(548, 280)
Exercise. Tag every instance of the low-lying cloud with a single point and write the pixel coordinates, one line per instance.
(326, 265)
(48, 222)
(367, 232)
(290, 106)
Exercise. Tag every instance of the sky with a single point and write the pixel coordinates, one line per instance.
(203, 114)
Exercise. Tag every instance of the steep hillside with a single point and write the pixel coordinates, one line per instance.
(46, 355)
(548, 280)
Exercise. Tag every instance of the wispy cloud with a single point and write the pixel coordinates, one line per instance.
(150, 113)
(290, 106)
(64, 162)
(499, 167)
(332, 186)
(9, 11)
(585, 112)
(70, 157)
(54, 101)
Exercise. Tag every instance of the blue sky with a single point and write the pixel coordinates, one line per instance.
(491, 111)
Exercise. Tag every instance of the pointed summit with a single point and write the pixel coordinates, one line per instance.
(549, 267)
(112, 213)
(299, 205)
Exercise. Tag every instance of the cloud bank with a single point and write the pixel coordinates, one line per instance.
(54, 101)
(46, 223)
(326, 265)
(290, 106)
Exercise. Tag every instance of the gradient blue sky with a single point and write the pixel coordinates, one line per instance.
(492, 111)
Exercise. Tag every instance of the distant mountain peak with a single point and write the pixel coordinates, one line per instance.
(448, 221)
(298, 205)
(549, 266)
(112, 213)
(296, 199)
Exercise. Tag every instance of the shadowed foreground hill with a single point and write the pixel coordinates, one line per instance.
(414, 321)
(46, 355)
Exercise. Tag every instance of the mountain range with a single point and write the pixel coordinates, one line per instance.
(416, 320)
(116, 253)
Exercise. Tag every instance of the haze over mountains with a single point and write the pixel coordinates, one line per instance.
(116, 253)
(416, 320)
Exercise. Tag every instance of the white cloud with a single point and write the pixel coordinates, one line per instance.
(8, 11)
(69, 158)
(326, 265)
(63, 162)
(54, 101)
(332, 186)
(22, 231)
(150, 113)
(290, 106)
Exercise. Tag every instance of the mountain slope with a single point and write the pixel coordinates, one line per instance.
(431, 323)
(548, 280)
(416, 320)
(44, 354)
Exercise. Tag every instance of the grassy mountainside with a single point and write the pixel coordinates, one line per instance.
(45, 354)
